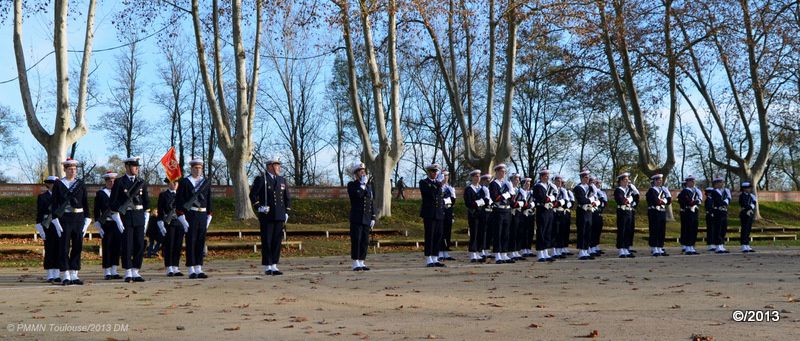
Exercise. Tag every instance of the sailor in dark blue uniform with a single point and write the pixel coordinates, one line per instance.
(486, 229)
(362, 215)
(624, 195)
(269, 196)
(107, 228)
(432, 213)
(70, 211)
(597, 217)
(528, 220)
(586, 199)
(720, 200)
(50, 237)
(130, 204)
(747, 202)
(561, 218)
(658, 200)
(170, 228)
(517, 205)
(502, 192)
(193, 207)
(690, 198)
(474, 200)
(449, 197)
(545, 195)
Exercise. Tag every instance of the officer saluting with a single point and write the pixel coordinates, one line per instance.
(747, 201)
(130, 204)
(432, 213)
(362, 215)
(169, 227)
(107, 228)
(269, 196)
(51, 237)
(193, 207)
(70, 212)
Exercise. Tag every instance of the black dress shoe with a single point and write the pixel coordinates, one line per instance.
(138, 279)
(510, 261)
(449, 258)
(439, 265)
(116, 276)
(656, 254)
(178, 274)
(77, 281)
(429, 265)
(268, 272)
(664, 254)
(49, 280)
(202, 275)
(583, 258)
(276, 273)
(440, 259)
(623, 256)
(365, 268)
(592, 257)
(66, 282)
(107, 277)
(630, 255)
(128, 279)
(170, 274)
(192, 275)
(358, 268)
(551, 259)
(499, 261)
(541, 260)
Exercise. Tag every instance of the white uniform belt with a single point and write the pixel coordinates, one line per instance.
(135, 208)
(73, 210)
(587, 207)
(626, 208)
(721, 208)
(503, 207)
(559, 209)
(198, 209)
(659, 208)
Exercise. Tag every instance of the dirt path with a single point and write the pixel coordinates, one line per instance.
(643, 298)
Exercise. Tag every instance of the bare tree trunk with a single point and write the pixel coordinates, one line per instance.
(56, 144)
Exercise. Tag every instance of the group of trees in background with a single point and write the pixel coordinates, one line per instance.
(678, 87)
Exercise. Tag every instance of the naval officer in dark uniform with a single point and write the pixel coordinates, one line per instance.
(362, 215)
(50, 237)
(130, 190)
(170, 228)
(193, 207)
(747, 202)
(432, 213)
(269, 196)
(107, 228)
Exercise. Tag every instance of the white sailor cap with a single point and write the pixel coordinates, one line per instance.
(432, 167)
(514, 175)
(527, 180)
(357, 166)
(273, 160)
(196, 161)
(709, 189)
(69, 162)
(444, 172)
(585, 172)
(657, 176)
(475, 172)
(486, 177)
(592, 178)
(746, 184)
(558, 177)
(690, 178)
(623, 175)
(499, 166)
(719, 179)
(50, 179)
(132, 161)
(109, 175)
(544, 171)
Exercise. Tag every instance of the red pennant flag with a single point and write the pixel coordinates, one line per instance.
(171, 166)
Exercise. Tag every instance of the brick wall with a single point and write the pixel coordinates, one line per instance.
(22, 190)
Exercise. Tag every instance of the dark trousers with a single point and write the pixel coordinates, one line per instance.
(544, 228)
(513, 232)
(722, 225)
(196, 237)
(489, 230)
(501, 220)
(624, 229)
(712, 229)
(71, 241)
(561, 224)
(132, 240)
(173, 244)
(530, 231)
(657, 224)
(447, 230)
(52, 248)
(689, 222)
(271, 238)
(522, 240)
(747, 226)
(583, 223)
(111, 244)
(359, 241)
(474, 221)
(597, 228)
(433, 236)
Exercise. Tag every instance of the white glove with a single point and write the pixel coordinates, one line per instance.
(161, 227)
(447, 201)
(115, 217)
(99, 228)
(263, 209)
(182, 219)
(40, 230)
(146, 219)
(371, 224)
(749, 213)
(520, 204)
(86, 223)
(287, 218)
(440, 177)
(208, 222)
(57, 224)
(480, 202)
(506, 195)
